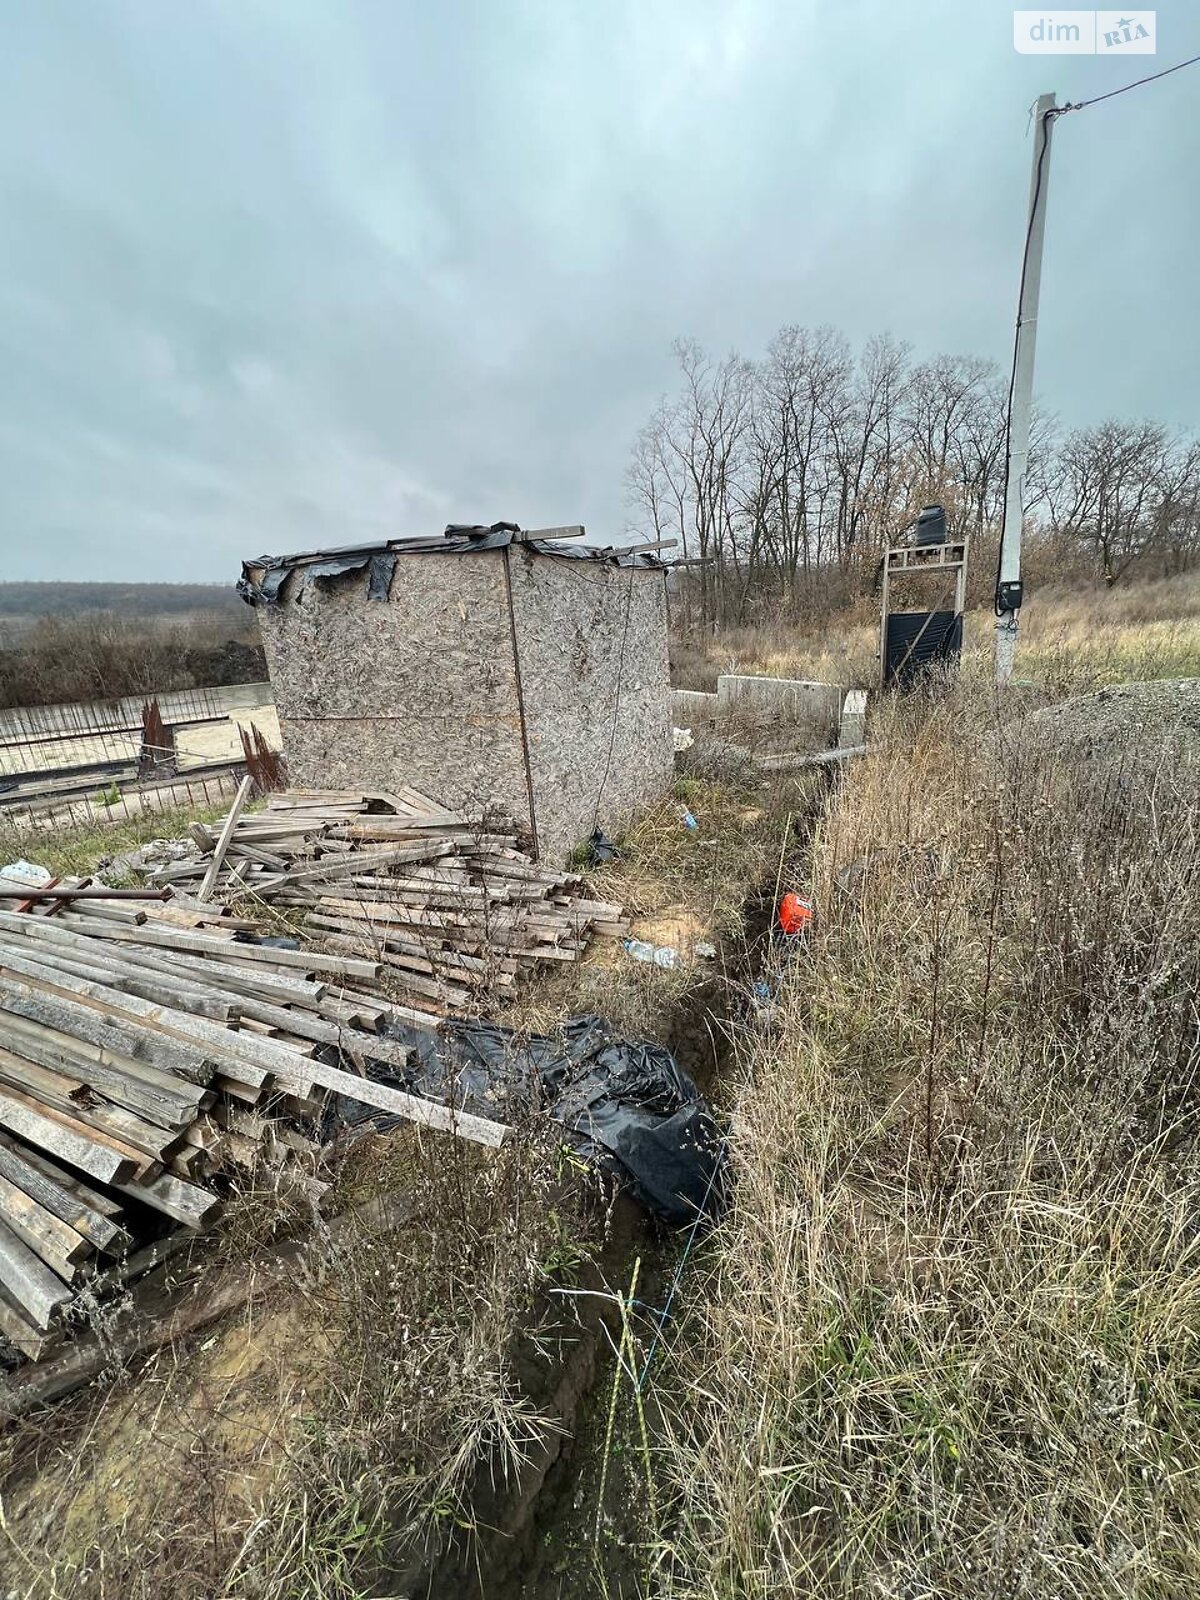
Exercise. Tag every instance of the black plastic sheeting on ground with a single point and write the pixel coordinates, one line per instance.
(262, 581)
(627, 1106)
(600, 849)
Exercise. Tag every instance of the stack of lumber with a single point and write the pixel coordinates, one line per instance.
(147, 1053)
(443, 900)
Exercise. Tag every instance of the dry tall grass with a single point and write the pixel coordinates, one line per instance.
(947, 1342)
(341, 1426)
(1073, 637)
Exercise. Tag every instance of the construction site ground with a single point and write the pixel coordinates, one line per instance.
(399, 1384)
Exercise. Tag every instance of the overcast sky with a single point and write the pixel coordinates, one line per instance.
(284, 272)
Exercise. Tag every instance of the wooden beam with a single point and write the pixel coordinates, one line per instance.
(643, 549)
(573, 530)
(223, 1044)
(69, 1096)
(50, 1131)
(214, 867)
(21, 1333)
(186, 1202)
(157, 1096)
(71, 1182)
(293, 1070)
(176, 968)
(147, 985)
(30, 1282)
(48, 1236)
(355, 1042)
(228, 949)
(793, 761)
(83, 1021)
(100, 1231)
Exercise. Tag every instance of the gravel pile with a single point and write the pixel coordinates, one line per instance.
(1142, 728)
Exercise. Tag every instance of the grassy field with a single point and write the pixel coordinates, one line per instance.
(1071, 639)
(77, 851)
(945, 1343)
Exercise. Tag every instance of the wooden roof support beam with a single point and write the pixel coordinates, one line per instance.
(573, 530)
(642, 549)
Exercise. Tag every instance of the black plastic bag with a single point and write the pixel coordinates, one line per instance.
(625, 1105)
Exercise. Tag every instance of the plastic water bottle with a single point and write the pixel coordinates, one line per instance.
(661, 955)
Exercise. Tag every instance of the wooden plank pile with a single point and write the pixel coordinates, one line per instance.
(149, 1050)
(146, 1053)
(444, 901)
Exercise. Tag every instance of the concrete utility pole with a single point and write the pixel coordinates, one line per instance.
(1008, 584)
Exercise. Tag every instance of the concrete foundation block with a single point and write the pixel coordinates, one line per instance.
(852, 730)
(783, 697)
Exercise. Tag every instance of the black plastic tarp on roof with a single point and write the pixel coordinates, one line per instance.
(263, 580)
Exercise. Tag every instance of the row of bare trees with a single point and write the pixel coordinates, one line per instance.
(788, 475)
(97, 655)
(1129, 493)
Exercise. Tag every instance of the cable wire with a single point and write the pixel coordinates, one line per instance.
(1078, 105)
(1053, 111)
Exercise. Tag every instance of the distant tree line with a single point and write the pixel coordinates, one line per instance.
(96, 656)
(790, 474)
(67, 598)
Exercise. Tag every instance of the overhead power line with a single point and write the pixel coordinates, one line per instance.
(1008, 593)
(1078, 105)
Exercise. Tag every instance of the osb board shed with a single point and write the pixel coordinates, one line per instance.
(482, 668)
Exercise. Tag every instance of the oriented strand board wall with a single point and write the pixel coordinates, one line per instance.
(416, 690)
(570, 618)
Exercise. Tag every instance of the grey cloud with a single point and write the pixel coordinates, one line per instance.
(276, 272)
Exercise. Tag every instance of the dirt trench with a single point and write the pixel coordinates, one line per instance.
(569, 1527)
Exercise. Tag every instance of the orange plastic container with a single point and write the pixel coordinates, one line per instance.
(795, 914)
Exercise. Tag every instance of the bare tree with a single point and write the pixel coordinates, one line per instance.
(863, 434)
(1108, 491)
(1177, 534)
(687, 465)
(805, 464)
